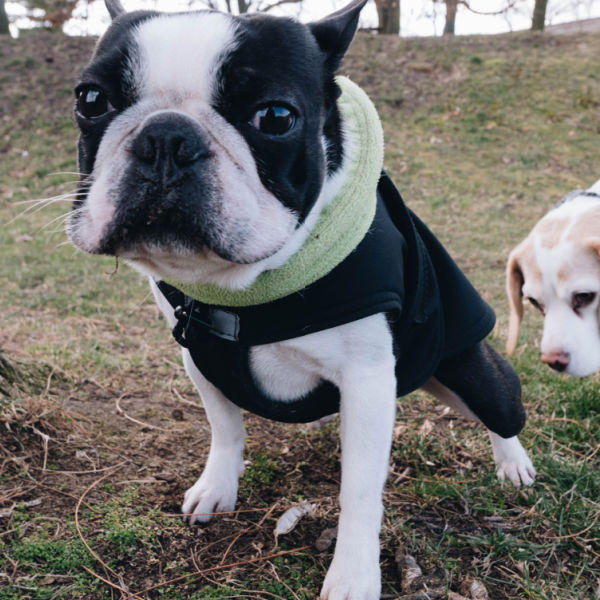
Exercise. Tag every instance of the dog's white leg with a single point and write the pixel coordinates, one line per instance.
(512, 460)
(216, 489)
(367, 420)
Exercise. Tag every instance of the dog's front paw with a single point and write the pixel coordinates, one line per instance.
(512, 461)
(352, 580)
(212, 493)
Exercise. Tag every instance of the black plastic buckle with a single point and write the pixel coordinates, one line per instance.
(222, 323)
(183, 319)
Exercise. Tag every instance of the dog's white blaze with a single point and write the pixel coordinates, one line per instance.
(178, 55)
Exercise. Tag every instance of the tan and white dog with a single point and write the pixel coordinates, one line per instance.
(557, 268)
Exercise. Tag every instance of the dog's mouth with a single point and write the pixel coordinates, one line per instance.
(167, 229)
(168, 236)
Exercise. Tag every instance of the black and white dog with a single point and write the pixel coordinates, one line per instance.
(212, 149)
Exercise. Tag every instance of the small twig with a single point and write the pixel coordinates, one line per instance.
(46, 438)
(122, 412)
(214, 514)
(57, 491)
(88, 547)
(48, 381)
(90, 472)
(184, 400)
(126, 593)
(235, 539)
(241, 563)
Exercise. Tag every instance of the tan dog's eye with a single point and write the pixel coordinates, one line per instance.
(582, 299)
(537, 305)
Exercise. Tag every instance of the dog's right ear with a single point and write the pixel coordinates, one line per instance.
(514, 290)
(335, 32)
(115, 8)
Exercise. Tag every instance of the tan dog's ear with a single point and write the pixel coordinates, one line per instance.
(594, 244)
(514, 286)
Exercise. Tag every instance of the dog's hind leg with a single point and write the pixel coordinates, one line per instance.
(216, 489)
(481, 385)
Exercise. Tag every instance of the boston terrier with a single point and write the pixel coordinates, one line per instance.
(223, 157)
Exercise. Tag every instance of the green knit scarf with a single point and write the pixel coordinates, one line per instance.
(341, 226)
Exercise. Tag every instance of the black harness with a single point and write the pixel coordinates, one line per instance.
(399, 269)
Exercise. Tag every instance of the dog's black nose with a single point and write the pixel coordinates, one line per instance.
(557, 360)
(167, 145)
(558, 366)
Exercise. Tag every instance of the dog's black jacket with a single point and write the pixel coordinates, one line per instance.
(399, 268)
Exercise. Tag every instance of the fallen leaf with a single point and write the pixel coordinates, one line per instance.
(473, 588)
(410, 572)
(426, 428)
(289, 519)
(326, 538)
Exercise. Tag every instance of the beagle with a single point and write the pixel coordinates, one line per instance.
(557, 268)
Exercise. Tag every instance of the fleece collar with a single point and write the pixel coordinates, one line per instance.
(342, 224)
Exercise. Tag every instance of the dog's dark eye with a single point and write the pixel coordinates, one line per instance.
(582, 299)
(273, 120)
(536, 304)
(92, 102)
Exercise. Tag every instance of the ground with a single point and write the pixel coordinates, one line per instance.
(99, 443)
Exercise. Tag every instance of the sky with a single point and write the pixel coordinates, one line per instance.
(418, 17)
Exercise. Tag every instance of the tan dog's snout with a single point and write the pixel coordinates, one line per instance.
(557, 359)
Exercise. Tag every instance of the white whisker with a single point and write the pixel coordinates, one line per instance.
(40, 204)
(66, 243)
(62, 217)
(68, 173)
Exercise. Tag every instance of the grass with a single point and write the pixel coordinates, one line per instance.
(483, 135)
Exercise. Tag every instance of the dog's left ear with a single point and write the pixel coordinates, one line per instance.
(115, 8)
(335, 32)
(514, 287)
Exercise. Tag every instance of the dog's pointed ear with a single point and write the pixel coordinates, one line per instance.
(335, 32)
(514, 290)
(115, 8)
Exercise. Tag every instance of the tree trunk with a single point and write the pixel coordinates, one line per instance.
(3, 19)
(388, 12)
(243, 6)
(539, 15)
(451, 6)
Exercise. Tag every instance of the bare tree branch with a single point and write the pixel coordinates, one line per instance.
(242, 6)
(212, 4)
(508, 6)
(279, 3)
